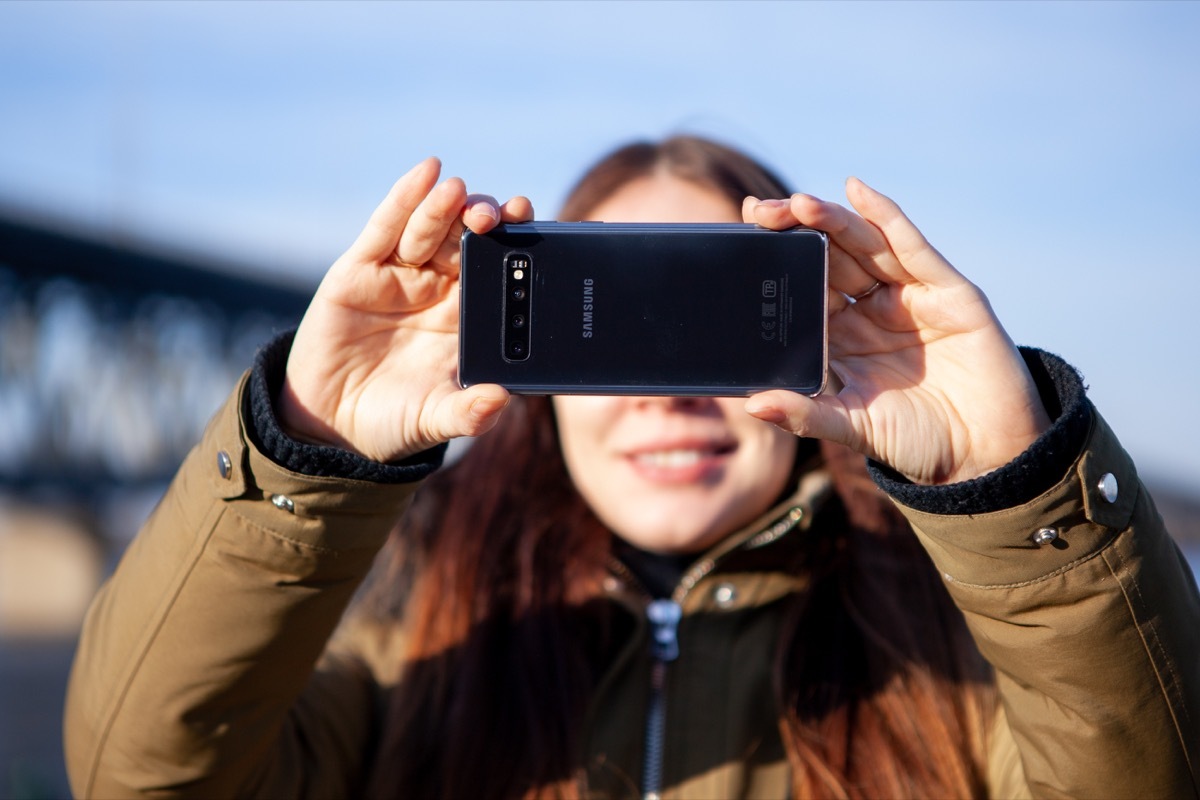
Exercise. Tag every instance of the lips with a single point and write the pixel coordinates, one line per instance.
(680, 462)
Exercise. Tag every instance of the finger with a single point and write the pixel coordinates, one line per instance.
(448, 257)
(518, 209)
(903, 238)
(773, 213)
(846, 275)
(837, 301)
(431, 221)
(857, 237)
(380, 237)
(482, 213)
(748, 205)
(820, 417)
(472, 411)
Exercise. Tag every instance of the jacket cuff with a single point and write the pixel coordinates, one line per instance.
(319, 461)
(1028, 475)
(322, 514)
(1065, 525)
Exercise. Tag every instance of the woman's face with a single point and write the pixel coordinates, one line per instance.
(671, 474)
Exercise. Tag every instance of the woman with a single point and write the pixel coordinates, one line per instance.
(616, 597)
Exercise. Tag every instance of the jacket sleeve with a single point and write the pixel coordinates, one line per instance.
(200, 669)
(1091, 617)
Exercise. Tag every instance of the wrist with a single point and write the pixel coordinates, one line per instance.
(1031, 472)
(299, 423)
(1024, 432)
(268, 434)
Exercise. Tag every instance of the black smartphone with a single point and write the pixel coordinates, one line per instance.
(646, 309)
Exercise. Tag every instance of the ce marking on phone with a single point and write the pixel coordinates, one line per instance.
(770, 311)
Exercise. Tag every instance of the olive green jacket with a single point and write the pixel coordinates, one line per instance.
(209, 665)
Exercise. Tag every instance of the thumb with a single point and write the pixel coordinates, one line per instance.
(471, 412)
(820, 417)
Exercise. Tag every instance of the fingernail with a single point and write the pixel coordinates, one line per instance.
(774, 203)
(486, 406)
(486, 210)
(482, 407)
(766, 413)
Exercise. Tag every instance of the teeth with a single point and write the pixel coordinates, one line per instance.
(670, 459)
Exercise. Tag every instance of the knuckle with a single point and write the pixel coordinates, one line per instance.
(799, 427)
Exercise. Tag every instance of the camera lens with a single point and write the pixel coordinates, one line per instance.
(518, 293)
(518, 321)
(518, 348)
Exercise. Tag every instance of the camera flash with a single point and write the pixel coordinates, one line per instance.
(518, 274)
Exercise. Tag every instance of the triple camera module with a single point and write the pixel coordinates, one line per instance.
(518, 285)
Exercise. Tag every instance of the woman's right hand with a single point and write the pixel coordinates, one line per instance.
(928, 381)
(374, 365)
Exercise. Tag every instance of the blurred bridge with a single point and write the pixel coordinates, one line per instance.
(113, 359)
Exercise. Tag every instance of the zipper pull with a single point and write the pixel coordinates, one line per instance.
(664, 616)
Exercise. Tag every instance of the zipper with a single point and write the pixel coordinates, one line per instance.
(664, 617)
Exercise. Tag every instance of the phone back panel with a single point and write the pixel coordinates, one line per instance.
(645, 309)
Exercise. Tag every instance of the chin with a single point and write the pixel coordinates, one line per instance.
(672, 536)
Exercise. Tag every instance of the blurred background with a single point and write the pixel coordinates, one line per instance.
(175, 178)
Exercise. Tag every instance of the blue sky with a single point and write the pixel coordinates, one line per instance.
(1050, 150)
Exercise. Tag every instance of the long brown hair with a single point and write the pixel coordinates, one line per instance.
(496, 576)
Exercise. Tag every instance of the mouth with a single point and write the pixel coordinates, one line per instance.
(681, 463)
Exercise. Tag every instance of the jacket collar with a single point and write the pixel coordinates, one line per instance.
(730, 565)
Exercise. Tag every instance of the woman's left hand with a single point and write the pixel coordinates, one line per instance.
(924, 378)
